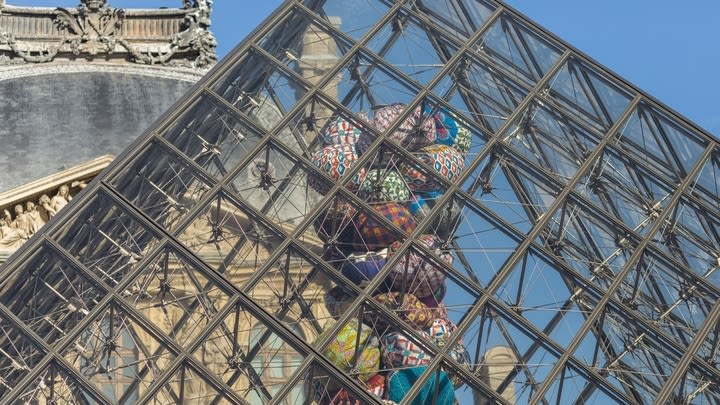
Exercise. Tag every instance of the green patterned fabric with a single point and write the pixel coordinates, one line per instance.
(463, 140)
(382, 185)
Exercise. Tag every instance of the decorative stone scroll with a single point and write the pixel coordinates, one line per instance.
(96, 30)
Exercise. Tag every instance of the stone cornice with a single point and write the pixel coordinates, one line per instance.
(179, 73)
(32, 190)
(97, 31)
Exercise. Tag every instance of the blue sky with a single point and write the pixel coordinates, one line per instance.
(666, 48)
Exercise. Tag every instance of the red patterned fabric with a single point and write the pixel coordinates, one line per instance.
(335, 161)
(373, 235)
(445, 162)
(416, 274)
(340, 132)
(417, 129)
(440, 332)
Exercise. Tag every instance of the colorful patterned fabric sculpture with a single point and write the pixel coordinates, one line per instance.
(336, 223)
(360, 268)
(445, 162)
(384, 185)
(399, 352)
(340, 131)
(445, 223)
(417, 129)
(414, 273)
(418, 206)
(373, 235)
(446, 127)
(463, 139)
(375, 385)
(410, 309)
(434, 303)
(341, 350)
(400, 382)
(335, 161)
(436, 297)
(337, 301)
(440, 332)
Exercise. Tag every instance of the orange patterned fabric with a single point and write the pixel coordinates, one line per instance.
(373, 235)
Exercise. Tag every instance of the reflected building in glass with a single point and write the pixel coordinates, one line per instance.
(379, 201)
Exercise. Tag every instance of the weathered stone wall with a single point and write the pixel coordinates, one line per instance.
(52, 121)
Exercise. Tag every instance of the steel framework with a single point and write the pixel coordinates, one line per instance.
(581, 233)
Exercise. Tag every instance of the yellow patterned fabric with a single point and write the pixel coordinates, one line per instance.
(341, 351)
(407, 307)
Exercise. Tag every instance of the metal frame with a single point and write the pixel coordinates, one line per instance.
(610, 224)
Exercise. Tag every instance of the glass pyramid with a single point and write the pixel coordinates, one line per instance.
(371, 200)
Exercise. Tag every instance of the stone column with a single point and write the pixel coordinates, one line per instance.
(319, 54)
(498, 362)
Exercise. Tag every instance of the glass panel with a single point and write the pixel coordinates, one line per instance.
(52, 298)
(354, 17)
(462, 19)
(586, 242)
(696, 386)
(595, 98)
(660, 143)
(260, 88)
(18, 357)
(212, 135)
(626, 190)
(486, 92)
(672, 300)
(119, 355)
(106, 239)
(552, 140)
(512, 45)
(275, 184)
(690, 236)
(229, 239)
(293, 288)
(544, 295)
(248, 356)
(631, 357)
(305, 44)
(176, 295)
(366, 84)
(190, 386)
(495, 341)
(707, 184)
(404, 43)
(57, 385)
(161, 185)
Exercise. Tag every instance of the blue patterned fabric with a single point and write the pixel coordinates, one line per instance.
(400, 382)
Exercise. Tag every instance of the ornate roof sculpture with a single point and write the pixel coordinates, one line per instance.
(451, 205)
(95, 29)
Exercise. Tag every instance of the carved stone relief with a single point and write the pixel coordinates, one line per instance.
(95, 28)
(18, 227)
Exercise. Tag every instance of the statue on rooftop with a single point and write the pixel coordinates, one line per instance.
(93, 26)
